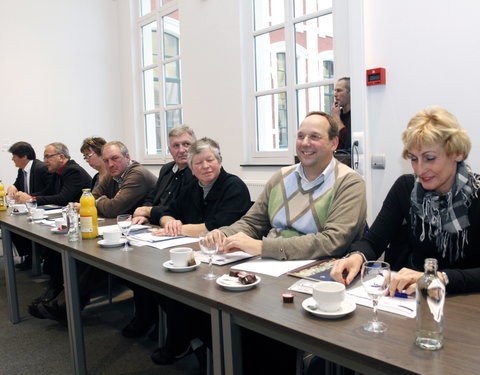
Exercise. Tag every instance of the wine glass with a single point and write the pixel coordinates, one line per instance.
(10, 203)
(375, 280)
(125, 223)
(210, 248)
(31, 206)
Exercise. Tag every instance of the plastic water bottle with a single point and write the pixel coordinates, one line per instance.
(72, 223)
(430, 298)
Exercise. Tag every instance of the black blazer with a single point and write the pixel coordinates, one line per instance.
(39, 177)
(65, 186)
(226, 202)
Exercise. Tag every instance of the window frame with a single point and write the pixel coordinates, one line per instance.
(156, 15)
(281, 157)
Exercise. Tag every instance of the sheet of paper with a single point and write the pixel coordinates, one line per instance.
(270, 267)
(396, 305)
(149, 237)
(222, 259)
(174, 241)
(54, 211)
(134, 228)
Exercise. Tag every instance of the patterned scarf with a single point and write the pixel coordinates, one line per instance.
(446, 214)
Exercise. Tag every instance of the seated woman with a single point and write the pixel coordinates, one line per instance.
(439, 205)
(214, 199)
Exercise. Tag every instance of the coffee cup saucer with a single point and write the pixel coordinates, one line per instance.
(169, 265)
(58, 231)
(102, 243)
(346, 307)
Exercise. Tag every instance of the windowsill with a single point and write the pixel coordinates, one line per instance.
(265, 165)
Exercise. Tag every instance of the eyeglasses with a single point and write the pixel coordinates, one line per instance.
(47, 156)
(87, 157)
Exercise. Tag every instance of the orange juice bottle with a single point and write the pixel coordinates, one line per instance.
(3, 197)
(88, 215)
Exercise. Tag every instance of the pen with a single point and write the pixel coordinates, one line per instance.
(401, 295)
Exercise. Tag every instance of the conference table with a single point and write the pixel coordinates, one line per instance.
(260, 309)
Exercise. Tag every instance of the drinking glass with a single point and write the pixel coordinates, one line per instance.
(10, 203)
(375, 280)
(31, 205)
(209, 248)
(125, 223)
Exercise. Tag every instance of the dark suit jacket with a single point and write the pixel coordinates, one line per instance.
(39, 177)
(226, 202)
(166, 189)
(65, 186)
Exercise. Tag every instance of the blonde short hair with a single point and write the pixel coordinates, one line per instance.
(435, 125)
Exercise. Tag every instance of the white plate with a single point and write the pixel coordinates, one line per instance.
(169, 265)
(56, 231)
(346, 307)
(229, 283)
(19, 213)
(102, 243)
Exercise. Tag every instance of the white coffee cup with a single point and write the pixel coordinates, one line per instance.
(329, 295)
(181, 256)
(112, 236)
(38, 214)
(60, 224)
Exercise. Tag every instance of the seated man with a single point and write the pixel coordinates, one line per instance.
(313, 209)
(66, 186)
(126, 184)
(172, 177)
(32, 175)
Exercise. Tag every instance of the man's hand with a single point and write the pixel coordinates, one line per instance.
(21, 197)
(173, 228)
(351, 266)
(142, 211)
(12, 190)
(216, 236)
(139, 220)
(240, 241)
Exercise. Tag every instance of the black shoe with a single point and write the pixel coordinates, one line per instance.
(53, 311)
(162, 357)
(33, 310)
(25, 264)
(48, 294)
(136, 328)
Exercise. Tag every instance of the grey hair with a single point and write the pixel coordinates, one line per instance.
(180, 130)
(121, 146)
(201, 145)
(60, 148)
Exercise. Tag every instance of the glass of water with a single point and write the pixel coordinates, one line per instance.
(125, 223)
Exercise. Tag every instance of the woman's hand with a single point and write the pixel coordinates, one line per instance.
(216, 237)
(351, 266)
(404, 281)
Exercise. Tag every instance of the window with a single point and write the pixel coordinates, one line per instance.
(293, 65)
(160, 66)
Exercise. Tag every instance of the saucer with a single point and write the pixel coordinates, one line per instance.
(56, 231)
(229, 283)
(346, 307)
(169, 265)
(102, 243)
(20, 212)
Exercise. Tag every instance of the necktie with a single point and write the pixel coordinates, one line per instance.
(25, 182)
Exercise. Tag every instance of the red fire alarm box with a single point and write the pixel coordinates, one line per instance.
(376, 76)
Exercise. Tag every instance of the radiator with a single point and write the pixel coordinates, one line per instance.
(255, 188)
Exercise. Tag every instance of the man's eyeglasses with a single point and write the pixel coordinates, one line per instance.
(47, 156)
(87, 157)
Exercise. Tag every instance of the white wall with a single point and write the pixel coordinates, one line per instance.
(59, 75)
(430, 51)
(66, 73)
